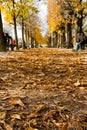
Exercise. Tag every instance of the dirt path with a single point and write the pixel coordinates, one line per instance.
(43, 89)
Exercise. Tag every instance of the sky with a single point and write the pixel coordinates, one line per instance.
(43, 15)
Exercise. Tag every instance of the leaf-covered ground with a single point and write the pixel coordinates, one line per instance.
(43, 89)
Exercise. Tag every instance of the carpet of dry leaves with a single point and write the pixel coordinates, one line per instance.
(43, 89)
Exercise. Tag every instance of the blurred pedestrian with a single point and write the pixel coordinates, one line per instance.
(13, 44)
(7, 40)
(78, 42)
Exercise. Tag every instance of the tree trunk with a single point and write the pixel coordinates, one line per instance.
(63, 39)
(69, 35)
(23, 42)
(15, 26)
(49, 40)
(2, 42)
(52, 39)
(79, 24)
(55, 39)
(58, 40)
(31, 38)
(36, 45)
(26, 36)
(80, 19)
(15, 31)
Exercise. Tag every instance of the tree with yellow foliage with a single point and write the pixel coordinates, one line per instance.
(56, 21)
(38, 36)
(27, 8)
(69, 16)
(17, 10)
(11, 11)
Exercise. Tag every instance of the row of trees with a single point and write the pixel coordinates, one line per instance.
(23, 13)
(65, 19)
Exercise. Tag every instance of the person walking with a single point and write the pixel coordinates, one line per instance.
(83, 41)
(80, 38)
(13, 44)
(7, 40)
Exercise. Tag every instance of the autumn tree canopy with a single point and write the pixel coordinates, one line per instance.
(19, 12)
(66, 15)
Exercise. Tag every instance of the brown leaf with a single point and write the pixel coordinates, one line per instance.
(16, 102)
(30, 128)
(16, 116)
(40, 107)
(57, 124)
(2, 115)
(33, 115)
(65, 126)
(7, 127)
(1, 80)
(77, 83)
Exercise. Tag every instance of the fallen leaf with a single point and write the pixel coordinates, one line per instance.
(57, 124)
(65, 126)
(7, 127)
(16, 102)
(33, 115)
(16, 116)
(2, 115)
(77, 83)
(30, 128)
(41, 107)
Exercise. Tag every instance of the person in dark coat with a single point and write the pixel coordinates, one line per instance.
(84, 41)
(7, 40)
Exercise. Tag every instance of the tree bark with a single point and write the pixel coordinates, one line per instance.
(52, 42)
(23, 41)
(2, 42)
(80, 19)
(69, 35)
(55, 39)
(15, 31)
(49, 40)
(15, 25)
(31, 38)
(79, 24)
(63, 38)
